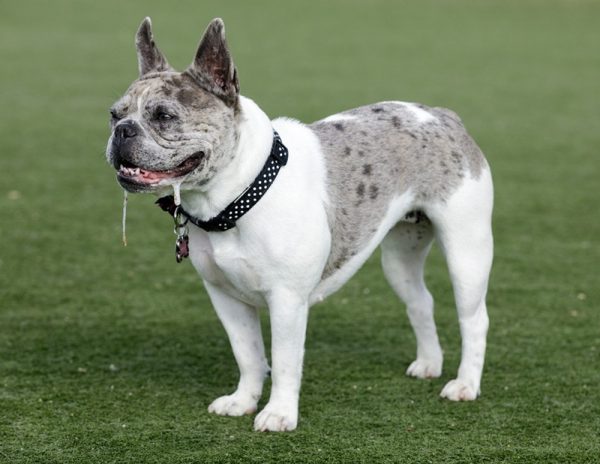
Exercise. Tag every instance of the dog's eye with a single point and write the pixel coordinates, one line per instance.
(164, 116)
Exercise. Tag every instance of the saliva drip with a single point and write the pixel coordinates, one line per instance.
(176, 199)
(124, 219)
(177, 194)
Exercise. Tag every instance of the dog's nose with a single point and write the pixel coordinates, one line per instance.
(126, 130)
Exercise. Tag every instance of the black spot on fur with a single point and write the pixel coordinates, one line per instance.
(360, 190)
(347, 151)
(396, 122)
(411, 134)
(342, 258)
(361, 153)
(177, 81)
(373, 192)
(186, 97)
(339, 126)
(367, 168)
(377, 109)
(456, 159)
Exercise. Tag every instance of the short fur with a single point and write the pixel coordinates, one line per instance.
(430, 157)
(393, 174)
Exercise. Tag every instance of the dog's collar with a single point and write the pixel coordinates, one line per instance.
(227, 218)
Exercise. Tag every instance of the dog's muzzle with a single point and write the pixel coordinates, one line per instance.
(124, 134)
(135, 177)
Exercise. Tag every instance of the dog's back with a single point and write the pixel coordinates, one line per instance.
(377, 152)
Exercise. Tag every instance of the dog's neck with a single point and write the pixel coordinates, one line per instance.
(255, 137)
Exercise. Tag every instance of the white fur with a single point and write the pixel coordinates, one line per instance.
(138, 115)
(420, 114)
(276, 255)
(463, 229)
(338, 118)
(267, 262)
(403, 259)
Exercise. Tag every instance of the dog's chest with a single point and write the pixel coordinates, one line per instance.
(227, 265)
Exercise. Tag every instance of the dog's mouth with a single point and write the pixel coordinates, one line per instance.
(131, 173)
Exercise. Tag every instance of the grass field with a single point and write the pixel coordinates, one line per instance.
(112, 354)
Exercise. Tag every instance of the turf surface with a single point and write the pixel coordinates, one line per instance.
(112, 355)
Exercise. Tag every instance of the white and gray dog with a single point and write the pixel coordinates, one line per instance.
(280, 214)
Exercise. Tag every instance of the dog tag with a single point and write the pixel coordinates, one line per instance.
(182, 249)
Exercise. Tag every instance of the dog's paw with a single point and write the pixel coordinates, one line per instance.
(459, 390)
(424, 369)
(236, 404)
(272, 419)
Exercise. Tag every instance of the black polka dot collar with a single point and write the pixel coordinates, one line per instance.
(227, 218)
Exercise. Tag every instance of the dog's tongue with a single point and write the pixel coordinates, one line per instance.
(143, 176)
(156, 175)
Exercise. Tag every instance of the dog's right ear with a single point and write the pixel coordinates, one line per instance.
(150, 58)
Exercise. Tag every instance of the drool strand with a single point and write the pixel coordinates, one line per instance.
(124, 219)
(177, 194)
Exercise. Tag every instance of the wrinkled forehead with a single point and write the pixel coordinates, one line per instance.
(178, 87)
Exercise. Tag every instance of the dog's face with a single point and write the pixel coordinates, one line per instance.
(175, 128)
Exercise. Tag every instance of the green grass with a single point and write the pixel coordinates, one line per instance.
(112, 354)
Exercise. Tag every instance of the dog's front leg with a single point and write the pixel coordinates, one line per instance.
(289, 314)
(242, 324)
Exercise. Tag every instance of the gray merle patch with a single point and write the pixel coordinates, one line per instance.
(395, 152)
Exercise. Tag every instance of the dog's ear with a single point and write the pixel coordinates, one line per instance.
(150, 58)
(213, 67)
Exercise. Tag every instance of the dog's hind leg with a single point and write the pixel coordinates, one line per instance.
(242, 324)
(404, 251)
(463, 227)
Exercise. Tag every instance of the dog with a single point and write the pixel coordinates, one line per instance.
(280, 214)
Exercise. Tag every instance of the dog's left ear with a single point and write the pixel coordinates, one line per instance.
(150, 58)
(213, 67)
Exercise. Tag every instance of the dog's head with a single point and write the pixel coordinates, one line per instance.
(171, 127)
